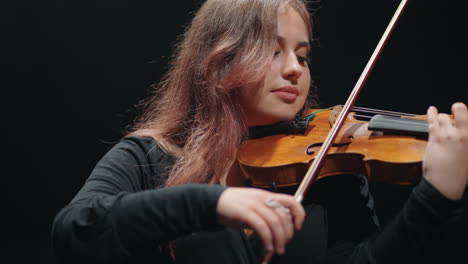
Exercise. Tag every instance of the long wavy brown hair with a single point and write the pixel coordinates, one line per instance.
(195, 112)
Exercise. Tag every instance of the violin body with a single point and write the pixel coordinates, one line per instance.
(283, 160)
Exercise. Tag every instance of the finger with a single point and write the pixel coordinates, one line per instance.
(296, 209)
(267, 258)
(276, 225)
(432, 116)
(256, 222)
(432, 121)
(286, 219)
(288, 223)
(445, 122)
(460, 114)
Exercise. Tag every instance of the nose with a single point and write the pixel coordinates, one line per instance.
(292, 68)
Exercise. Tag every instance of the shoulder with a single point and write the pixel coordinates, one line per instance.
(141, 146)
(139, 155)
(142, 142)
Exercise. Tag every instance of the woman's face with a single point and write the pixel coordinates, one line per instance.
(287, 81)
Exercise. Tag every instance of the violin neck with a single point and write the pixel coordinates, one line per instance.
(398, 125)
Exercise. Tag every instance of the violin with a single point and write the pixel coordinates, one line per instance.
(307, 157)
(388, 149)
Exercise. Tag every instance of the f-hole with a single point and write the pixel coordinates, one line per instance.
(310, 151)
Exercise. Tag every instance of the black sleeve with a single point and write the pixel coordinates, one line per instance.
(117, 214)
(414, 234)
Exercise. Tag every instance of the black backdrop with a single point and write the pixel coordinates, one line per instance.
(73, 70)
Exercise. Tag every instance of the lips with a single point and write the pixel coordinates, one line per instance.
(287, 93)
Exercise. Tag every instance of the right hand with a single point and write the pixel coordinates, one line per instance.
(273, 216)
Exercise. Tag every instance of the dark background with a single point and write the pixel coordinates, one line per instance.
(72, 72)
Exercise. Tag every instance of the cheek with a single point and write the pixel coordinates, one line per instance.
(305, 83)
(306, 76)
(250, 98)
(269, 77)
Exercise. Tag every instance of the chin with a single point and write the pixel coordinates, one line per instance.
(286, 113)
(270, 119)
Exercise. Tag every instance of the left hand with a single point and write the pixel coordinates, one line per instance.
(445, 163)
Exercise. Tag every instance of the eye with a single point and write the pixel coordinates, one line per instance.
(303, 60)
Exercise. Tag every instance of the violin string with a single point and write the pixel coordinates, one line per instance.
(363, 116)
(356, 115)
(386, 112)
(402, 121)
(377, 111)
(360, 115)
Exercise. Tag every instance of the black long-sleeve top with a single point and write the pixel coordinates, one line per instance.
(121, 216)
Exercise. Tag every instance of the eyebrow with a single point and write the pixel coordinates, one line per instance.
(301, 44)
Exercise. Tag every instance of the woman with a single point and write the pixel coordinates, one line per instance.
(160, 195)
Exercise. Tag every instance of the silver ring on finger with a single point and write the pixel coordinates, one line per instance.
(276, 205)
